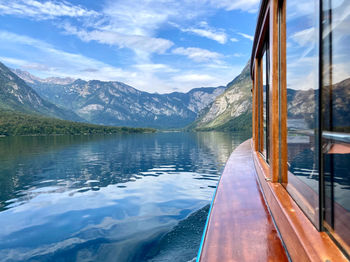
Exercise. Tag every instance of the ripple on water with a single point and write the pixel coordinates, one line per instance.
(135, 197)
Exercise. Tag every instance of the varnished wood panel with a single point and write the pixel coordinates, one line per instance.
(240, 227)
(274, 92)
(283, 95)
(306, 198)
(255, 107)
(260, 106)
(303, 241)
(259, 32)
(278, 95)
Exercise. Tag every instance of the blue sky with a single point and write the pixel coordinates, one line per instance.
(154, 45)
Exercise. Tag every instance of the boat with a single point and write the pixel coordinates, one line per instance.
(284, 194)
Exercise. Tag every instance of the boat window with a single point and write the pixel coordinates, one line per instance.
(263, 103)
(302, 104)
(260, 107)
(266, 71)
(336, 118)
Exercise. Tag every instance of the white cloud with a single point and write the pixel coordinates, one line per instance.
(136, 42)
(305, 81)
(24, 64)
(204, 30)
(300, 9)
(340, 71)
(238, 55)
(147, 77)
(130, 24)
(210, 75)
(43, 10)
(302, 72)
(155, 68)
(219, 37)
(243, 5)
(13, 61)
(127, 24)
(198, 54)
(193, 78)
(57, 61)
(137, 17)
(305, 37)
(250, 37)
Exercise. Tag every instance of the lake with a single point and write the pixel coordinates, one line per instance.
(127, 197)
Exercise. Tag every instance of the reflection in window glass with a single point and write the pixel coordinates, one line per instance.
(260, 140)
(263, 64)
(336, 117)
(302, 98)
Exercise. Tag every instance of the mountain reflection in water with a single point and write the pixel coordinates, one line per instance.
(137, 197)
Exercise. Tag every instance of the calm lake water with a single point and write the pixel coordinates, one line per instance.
(130, 197)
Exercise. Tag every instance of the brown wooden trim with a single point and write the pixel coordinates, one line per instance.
(278, 93)
(259, 25)
(240, 227)
(260, 106)
(283, 95)
(303, 241)
(255, 108)
(258, 51)
(341, 236)
(258, 54)
(304, 195)
(274, 92)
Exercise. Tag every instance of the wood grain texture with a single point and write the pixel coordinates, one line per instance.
(274, 92)
(283, 94)
(303, 241)
(255, 107)
(260, 106)
(259, 33)
(240, 227)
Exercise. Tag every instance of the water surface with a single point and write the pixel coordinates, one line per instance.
(130, 197)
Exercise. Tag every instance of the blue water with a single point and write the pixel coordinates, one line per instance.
(137, 197)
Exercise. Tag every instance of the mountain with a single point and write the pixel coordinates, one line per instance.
(29, 78)
(16, 95)
(115, 103)
(303, 111)
(232, 109)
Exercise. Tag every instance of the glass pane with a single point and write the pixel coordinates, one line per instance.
(263, 63)
(302, 98)
(267, 103)
(336, 117)
(259, 111)
(265, 107)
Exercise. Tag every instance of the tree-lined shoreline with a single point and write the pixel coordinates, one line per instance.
(20, 124)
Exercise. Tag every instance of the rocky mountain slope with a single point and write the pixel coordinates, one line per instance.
(232, 109)
(31, 79)
(302, 107)
(115, 103)
(16, 95)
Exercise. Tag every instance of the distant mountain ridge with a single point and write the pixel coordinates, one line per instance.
(16, 95)
(29, 78)
(115, 103)
(232, 109)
